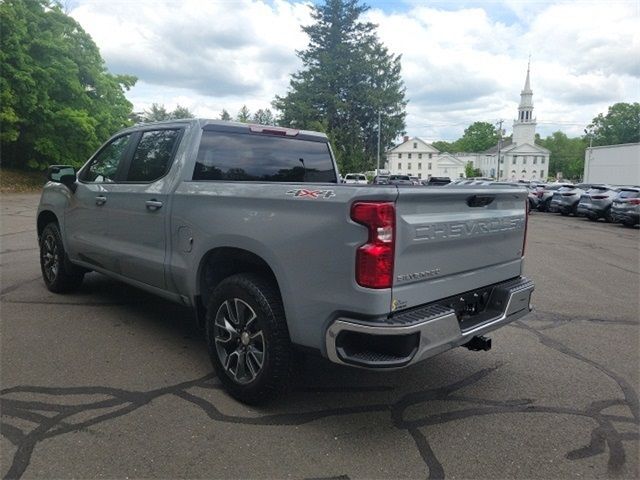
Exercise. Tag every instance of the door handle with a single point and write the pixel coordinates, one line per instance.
(101, 200)
(153, 204)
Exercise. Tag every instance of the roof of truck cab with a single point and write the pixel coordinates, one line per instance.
(237, 127)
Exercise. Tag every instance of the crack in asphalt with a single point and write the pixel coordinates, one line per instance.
(555, 320)
(603, 437)
(16, 286)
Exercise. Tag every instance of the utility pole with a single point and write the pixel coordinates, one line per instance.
(379, 125)
(499, 123)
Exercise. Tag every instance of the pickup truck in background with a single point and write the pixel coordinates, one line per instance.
(249, 226)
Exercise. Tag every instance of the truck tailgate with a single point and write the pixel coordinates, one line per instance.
(452, 240)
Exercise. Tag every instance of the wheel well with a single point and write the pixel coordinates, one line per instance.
(45, 218)
(223, 262)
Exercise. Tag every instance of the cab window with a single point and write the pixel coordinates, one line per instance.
(104, 166)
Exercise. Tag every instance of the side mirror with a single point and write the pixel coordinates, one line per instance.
(64, 174)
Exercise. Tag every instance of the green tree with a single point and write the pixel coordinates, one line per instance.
(478, 137)
(443, 146)
(264, 117)
(57, 100)
(621, 124)
(181, 112)
(567, 155)
(348, 77)
(470, 171)
(224, 115)
(156, 113)
(244, 115)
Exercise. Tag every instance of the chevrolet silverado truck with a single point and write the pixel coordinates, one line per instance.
(249, 226)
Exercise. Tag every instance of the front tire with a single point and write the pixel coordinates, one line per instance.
(248, 339)
(58, 273)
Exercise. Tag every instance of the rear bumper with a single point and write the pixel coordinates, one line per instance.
(584, 209)
(625, 217)
(557, 207)
(423, 332)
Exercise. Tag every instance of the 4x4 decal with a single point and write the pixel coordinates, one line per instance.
(301, 192)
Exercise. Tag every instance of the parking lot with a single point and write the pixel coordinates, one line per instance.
(111, 382)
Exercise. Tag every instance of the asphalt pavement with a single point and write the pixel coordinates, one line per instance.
(111, 382)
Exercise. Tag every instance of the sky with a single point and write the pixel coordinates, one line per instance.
(462, 61)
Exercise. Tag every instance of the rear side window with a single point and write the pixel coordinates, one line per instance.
(104, 166)
(248, 157)
(153, 155)
(629, 194)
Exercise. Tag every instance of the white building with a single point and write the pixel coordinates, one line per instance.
(613, 164)
(418, 158)
(520, 157)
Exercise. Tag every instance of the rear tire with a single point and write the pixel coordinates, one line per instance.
(607, 216)
(544, 206)
(248, 339)
(58, 273)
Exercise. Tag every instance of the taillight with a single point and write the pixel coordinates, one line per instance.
(598, 197)
(634, 201)
(374, 259)
(526, 225)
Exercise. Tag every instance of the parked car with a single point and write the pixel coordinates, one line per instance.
(625, 208)
(547, 193)
(400, 180)
(380, 180)
(355, 178)
(241, 223)
(436, 181)
(596, 202)
(565, 200)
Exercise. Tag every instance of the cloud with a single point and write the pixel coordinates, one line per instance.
(211, 48)
(462, 61)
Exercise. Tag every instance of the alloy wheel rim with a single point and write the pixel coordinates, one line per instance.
(239, 341)
(50, 258)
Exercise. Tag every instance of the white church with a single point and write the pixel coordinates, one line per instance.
(520, 157)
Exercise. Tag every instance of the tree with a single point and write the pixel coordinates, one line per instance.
(57, 100)
(621, 124)
(181, 112)
(347, 78)
(567, 155)
(244, 115)
(443, 146)
(224, 115)
(478, 137)
(158, 113)
(470, 171)
(264, 117)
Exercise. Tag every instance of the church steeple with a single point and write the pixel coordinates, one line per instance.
(527, 83)
(524, 127)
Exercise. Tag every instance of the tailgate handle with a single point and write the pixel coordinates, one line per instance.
(480, 200)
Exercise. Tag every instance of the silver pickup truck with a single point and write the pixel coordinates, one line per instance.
(249, 226)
